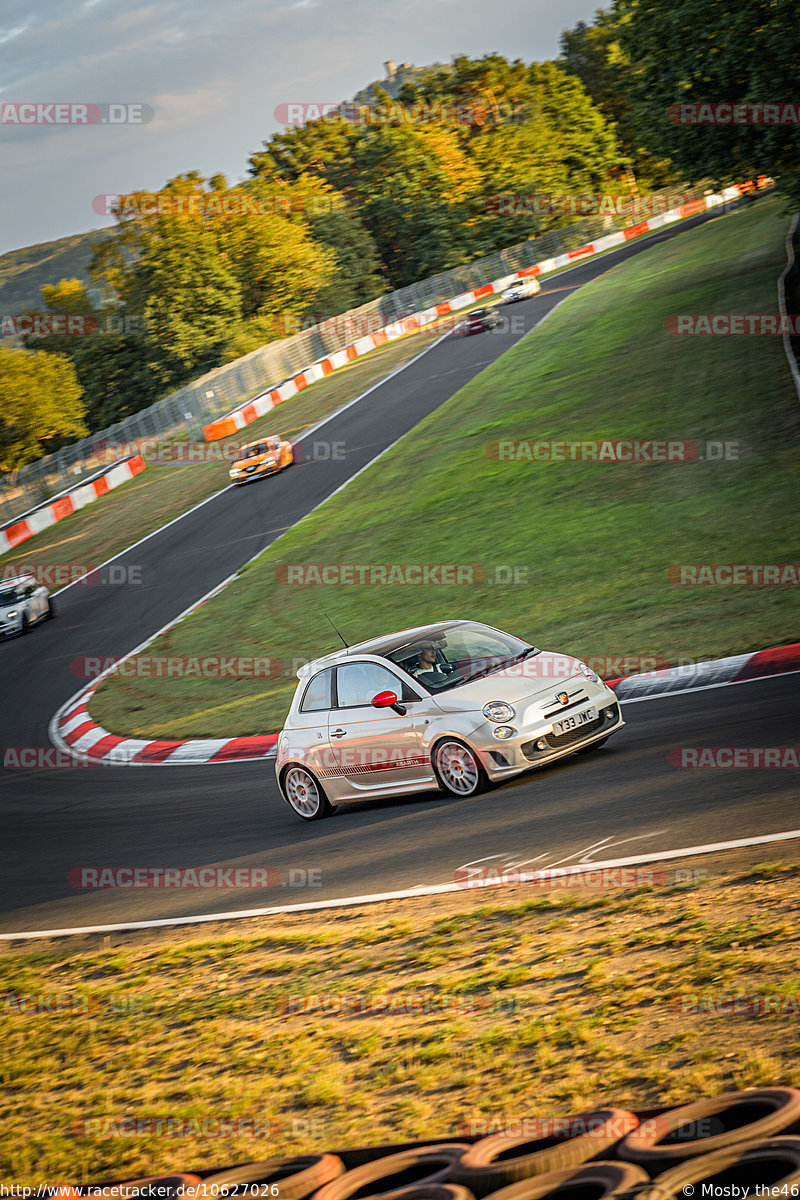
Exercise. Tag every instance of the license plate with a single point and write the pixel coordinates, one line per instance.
(575, 722)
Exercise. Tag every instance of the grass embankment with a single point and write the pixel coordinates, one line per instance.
(167, 489)
(592, 542)
(549, 1002)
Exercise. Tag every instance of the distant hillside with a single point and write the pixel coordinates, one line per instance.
(24, 272)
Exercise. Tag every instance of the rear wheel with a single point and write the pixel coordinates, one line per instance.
(304, 794)
(458, 768)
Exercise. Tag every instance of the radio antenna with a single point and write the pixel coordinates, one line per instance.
(335, 630)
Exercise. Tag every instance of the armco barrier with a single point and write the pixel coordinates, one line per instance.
(244, 414)
(63, 506)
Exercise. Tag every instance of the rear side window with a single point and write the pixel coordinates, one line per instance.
(317, 696)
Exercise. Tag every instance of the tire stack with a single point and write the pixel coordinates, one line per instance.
(746, 1138)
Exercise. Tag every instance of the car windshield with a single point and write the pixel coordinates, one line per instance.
(8, 596)
(479, 312)
(458, 655)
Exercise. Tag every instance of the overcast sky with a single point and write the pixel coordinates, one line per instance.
(213, 74)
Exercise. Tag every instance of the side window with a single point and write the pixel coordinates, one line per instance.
(357, 683)
(317, 696)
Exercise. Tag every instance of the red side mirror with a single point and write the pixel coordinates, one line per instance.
(384, 700)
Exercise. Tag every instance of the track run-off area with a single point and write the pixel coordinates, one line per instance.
(622, 801)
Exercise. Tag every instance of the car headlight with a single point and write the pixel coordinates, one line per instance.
(11, 615)
(498, 710)
(588, 672)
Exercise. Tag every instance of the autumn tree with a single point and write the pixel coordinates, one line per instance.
(40, 405)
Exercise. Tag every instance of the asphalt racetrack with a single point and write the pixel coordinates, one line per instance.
(623, 799)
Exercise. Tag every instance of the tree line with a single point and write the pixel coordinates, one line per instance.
(342, 209)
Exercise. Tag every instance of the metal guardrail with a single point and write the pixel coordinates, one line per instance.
(184, 412)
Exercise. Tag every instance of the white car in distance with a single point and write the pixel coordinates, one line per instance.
(23, 602)
(521, 289)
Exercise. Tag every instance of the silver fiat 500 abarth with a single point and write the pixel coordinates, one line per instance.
(450, 706)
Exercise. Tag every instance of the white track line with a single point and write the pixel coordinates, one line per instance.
(702, 687)
(405, 894)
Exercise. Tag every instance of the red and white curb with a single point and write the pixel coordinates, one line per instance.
(83, 737)
(238, 418)
(49, 514)
(74, 730)
(738, 668)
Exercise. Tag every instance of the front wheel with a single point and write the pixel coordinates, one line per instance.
(51, 610)
(23, 627)
(304, 794)
(458, 769)
(594, 746)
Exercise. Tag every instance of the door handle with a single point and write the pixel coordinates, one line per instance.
(339, 733)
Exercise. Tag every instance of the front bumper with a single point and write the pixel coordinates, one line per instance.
(10, 628)
(258, 473)
(502, 759)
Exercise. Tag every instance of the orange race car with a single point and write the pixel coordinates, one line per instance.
(264, 457)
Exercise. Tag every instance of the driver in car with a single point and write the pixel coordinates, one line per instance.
(428, 662)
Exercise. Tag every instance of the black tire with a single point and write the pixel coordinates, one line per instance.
(296, 1175)
(304, 794)
(739, 1116)
(445, 758)
(594, 746)
(490, 1165)
(24, 625)
(603, 1180)
(51, 609)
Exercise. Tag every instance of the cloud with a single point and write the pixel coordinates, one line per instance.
(214, 74)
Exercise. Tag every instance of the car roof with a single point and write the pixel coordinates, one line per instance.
(382, 645)
(267, 437)
(15, 579)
